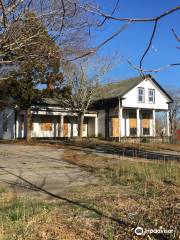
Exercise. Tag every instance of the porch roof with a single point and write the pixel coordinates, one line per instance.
(50, 102)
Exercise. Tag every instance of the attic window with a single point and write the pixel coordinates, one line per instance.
(141, 95)
(151, 96)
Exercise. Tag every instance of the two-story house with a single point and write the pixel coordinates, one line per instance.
(128, 108)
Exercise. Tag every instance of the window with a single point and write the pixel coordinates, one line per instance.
(133, 131)
(133, 123)
(151, 96)
(46, 123)
(146, 123)
(146, 131)
(141, 96)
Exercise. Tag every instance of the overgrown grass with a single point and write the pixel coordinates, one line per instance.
(15, 213)
(145, 177)
(145, 193)
(138, 192)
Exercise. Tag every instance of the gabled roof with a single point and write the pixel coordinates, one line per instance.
(119, 89)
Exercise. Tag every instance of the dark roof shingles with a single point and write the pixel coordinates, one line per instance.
(117, 89)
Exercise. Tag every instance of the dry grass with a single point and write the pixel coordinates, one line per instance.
(132, 192)
(31, 219)
(140, 174)
(148, 191)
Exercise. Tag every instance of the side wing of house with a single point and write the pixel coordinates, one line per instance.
(55, 124)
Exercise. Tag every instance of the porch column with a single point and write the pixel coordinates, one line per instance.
(17, 126)
(154, 123)
(120, 113)
(168, 123)
(96, 126)
(62, 126)
(138, 122)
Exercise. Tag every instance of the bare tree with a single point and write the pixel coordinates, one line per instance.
(66, 23)
(33, 31)
(104, 17)
(82, 83)
(65, 19)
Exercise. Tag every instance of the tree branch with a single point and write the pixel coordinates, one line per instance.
(150, 43)
(153, 19)
(142, 71)
(116, 5)
(176, 36)
(95, 49)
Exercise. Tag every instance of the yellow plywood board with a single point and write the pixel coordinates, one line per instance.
(115, 126)
(46, 123)
(133, 122)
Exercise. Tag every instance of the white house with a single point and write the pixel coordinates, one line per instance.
(125, 109)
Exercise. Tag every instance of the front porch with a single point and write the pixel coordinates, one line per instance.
(55, 124)
(134, 123)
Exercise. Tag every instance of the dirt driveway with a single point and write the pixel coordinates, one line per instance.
(25, 166)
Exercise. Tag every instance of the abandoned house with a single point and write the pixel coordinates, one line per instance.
(120, 110)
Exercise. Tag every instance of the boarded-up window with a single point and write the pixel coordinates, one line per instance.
(46, 123)
(146, 119)
(66, 122)
(115, 127)
(146, 116)
(132, 120)
(133, 123)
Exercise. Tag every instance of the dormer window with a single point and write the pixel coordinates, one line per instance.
(151, 96)
(141, 94)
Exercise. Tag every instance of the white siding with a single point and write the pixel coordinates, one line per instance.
(131, 98)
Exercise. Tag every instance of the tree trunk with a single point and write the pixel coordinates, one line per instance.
(80, 124)
(28, 124)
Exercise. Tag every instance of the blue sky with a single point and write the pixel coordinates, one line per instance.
(133, 41)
